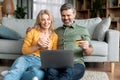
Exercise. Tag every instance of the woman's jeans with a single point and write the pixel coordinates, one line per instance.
(33, 72)
(22, 65)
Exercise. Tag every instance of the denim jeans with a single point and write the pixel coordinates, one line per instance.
(58, 74)
(31, 72)
(67, 73)
(20, 65)
(78, 71)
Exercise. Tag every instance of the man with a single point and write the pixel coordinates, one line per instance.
(68, 34)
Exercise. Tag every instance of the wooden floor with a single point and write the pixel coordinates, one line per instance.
(105, 67)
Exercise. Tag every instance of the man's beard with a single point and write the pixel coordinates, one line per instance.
(69, 24)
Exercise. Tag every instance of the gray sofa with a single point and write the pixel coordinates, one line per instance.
(105, 41)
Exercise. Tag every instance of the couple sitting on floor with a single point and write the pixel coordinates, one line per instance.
(43, 37)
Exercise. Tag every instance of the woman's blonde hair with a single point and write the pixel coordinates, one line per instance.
(38, 19)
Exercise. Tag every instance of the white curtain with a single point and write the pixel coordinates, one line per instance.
(52, 5)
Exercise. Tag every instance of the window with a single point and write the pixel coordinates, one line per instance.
(52, 5)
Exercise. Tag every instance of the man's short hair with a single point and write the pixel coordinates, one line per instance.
(67, 6)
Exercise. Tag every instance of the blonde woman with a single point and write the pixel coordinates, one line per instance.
(42, 37)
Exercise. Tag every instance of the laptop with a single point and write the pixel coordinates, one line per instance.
(56, 58)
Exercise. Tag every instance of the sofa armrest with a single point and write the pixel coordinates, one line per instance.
(112, 38)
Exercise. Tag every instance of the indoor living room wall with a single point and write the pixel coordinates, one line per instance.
(29, 5)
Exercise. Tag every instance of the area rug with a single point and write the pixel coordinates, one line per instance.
(95, 75)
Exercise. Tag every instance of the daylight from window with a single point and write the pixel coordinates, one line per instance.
(52, 5)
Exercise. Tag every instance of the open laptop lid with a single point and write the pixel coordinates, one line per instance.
(56, 58)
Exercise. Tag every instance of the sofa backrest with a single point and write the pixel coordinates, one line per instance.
(18, 25)
(57, 22)
(90, 24)
(21, 25)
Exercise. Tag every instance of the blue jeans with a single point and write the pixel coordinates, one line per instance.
(31, 72)
(20, 65)
(67, 73)
(78, 71)
(58, 74)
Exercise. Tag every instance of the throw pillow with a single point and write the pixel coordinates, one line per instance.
(101, 28)
(7, 33)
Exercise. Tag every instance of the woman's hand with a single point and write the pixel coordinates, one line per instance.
(43, 43)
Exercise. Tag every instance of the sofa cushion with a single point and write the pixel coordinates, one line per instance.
(90, 24)
(100, 48)
(11, 46)
(19, 25)
(7, 33)
(101, 28)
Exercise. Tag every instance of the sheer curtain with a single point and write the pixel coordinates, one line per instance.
(52, 5)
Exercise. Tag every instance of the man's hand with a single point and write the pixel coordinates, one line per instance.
(29, 29)
(85, 46)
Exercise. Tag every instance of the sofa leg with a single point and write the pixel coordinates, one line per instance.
(112, 67)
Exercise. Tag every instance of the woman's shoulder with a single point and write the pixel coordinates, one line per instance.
(34, 30)
(54, 34)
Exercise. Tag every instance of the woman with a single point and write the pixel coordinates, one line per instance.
(42, 37)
